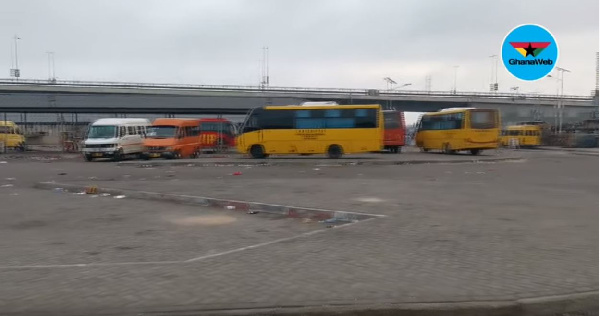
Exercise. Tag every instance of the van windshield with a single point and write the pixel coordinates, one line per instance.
(161, 131)
(102, 131)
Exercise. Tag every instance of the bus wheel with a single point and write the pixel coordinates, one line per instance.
(475, 152)
(398, 149)
(118, 156)
(334, 152)
(88, 157)
(423, 149)
(257, 151)
(447, 149)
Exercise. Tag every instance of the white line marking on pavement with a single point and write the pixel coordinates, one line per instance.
(83, 265)
(272, 242)
(255, 246)
(93, 265)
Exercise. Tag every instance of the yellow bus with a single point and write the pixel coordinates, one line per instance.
(11, 135)
(522, 135)
(452, 130)
(311, 129)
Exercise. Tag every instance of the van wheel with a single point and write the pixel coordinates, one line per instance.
(257, 151)
(88, 157)
(475, 152)
(446, 149)
(334, 152)
(118, 156)
(221, 145)
(195, 153)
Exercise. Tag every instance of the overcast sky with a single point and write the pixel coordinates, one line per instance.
(320, 43)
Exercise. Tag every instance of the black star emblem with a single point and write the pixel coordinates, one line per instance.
(529, 50)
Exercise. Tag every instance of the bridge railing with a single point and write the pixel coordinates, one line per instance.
(346, 91)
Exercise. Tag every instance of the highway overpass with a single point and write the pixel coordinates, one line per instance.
(41, 96)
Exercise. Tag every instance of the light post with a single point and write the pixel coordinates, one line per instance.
(51, 67)
(494, 74)
(455, 74)
(402, 86)
(15, 72)
(389, 83)
(560, 103)
(389, 86)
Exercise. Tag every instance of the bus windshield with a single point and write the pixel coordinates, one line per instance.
(164, 131)
(102, 131)
(482, 119)
(391, 120)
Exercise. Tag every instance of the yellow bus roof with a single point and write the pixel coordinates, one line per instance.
(7, 123)
(308, 107)
(457, 110)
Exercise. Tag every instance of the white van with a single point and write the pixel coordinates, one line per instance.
(115, 138)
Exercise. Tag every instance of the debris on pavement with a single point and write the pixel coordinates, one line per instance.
(252, 212)
(6, 185)
(91, 189)
(230, 207)
(119, 196)
(237, 173)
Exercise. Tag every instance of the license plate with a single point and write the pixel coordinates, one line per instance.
(97, 155)
(154, 155)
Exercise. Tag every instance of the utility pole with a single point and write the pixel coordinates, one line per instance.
(51, 67)
(15, 72)
(264, 83)
(562, 95)
(494, 74)
(455, 75)
(428, 83)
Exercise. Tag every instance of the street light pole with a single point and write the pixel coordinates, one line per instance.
(562, 96)
(16, 38)
(494, 75)
(455, 75)
(16, 72)
(51, 69)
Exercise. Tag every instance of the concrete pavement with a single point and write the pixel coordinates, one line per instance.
(496, 238)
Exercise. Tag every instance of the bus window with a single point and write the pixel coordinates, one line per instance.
(483, 119)
(391, 120)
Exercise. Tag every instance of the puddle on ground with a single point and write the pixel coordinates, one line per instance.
(212, 220)
(369, 199)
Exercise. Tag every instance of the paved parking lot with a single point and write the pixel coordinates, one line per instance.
(496, 231)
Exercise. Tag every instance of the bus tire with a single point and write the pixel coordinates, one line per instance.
(257, 152)
(446, 149)
(335, 151)
(475, 152)
(88, 157)
(398, 149)
(118, 155)
(423, 149)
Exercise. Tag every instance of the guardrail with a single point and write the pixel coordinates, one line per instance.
(388, 93)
